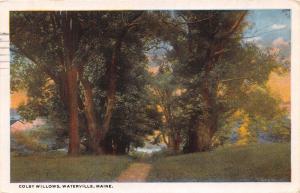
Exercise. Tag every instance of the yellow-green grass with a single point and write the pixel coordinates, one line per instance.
(260, 162)
(55, 168)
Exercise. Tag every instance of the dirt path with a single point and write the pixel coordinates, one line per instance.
(137, 172)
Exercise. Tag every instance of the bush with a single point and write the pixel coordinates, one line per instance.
(38, 139)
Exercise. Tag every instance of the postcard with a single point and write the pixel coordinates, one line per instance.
(150, 96)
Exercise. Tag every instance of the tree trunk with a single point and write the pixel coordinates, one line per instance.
(91, 117)
(208, 126)
(70, 42)
(192, 142)
(111, 91)
(200, 137)
(74, 142)
(98, 135)
(97, 142)
(62, 83)
(109, 146)
(174, 142)
(204, 137)
(89, 111)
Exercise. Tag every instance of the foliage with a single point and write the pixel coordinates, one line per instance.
(220, 73)
(37, 139)
(207, 73)
(94, 49)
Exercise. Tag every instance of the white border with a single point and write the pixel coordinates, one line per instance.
(259, 187)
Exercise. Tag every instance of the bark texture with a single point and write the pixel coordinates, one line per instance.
(74, 140)
(90, 115)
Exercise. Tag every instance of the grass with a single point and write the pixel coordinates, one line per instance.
(56, 168)
(267, 162)
(260, 162)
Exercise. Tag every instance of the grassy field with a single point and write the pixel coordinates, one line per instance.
(268, 162)
(67, 169)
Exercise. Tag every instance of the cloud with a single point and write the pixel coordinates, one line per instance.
(280, 43)
(278, 26)
(258, 41)
(274, 51)
(253, 39)
(281, 50)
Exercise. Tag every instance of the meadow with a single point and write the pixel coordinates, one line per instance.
(255, 163)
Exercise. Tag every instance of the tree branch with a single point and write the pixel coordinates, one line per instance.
(231, 79)
(24, 53)
(235, 26)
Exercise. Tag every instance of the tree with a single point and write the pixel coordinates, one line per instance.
(92, 67)
(217, 70)
(110, 48)
(166, 91)
(51, 40)
(67, 47)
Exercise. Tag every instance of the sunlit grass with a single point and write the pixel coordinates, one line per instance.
(267, 162)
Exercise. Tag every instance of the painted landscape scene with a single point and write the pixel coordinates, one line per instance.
(150, 96)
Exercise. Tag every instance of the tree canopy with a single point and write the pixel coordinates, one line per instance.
(90, 72)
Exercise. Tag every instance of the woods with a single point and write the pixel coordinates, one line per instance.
(115, 77)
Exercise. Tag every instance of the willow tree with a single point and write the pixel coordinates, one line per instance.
(107, 44)
(51, 41)
(82, 53)
(216, 68)
(59, 43)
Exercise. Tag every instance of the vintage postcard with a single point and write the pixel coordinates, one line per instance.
(150, 96)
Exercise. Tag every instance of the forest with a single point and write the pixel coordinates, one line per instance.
(108, 80)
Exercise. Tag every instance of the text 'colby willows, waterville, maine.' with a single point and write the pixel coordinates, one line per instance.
(66, 186)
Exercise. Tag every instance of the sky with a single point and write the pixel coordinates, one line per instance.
(270, 28)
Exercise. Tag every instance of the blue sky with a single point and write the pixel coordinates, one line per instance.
(270, 28)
